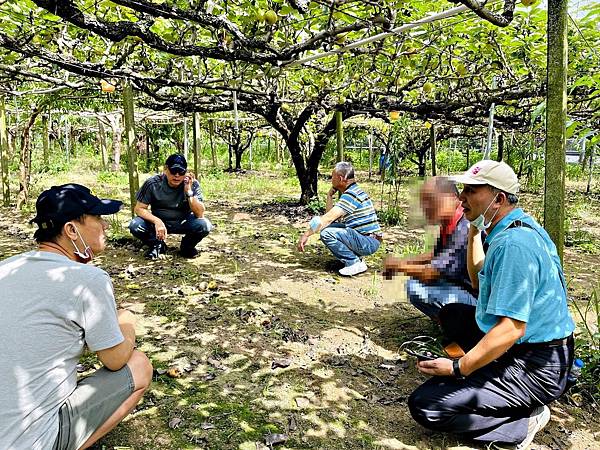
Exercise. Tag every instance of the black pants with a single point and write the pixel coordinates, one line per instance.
(492, 404)
(193, 229)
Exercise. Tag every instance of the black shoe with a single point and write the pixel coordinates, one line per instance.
(188, 252)
(154, 251)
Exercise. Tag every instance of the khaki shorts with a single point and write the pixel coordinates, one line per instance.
(93, 401)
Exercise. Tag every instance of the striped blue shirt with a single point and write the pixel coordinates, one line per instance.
(360, 213)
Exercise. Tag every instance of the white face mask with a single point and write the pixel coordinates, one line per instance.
(87, 255)
(479, 222)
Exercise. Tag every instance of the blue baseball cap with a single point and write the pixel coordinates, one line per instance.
(59, 204)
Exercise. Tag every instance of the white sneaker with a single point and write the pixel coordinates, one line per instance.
(354, 269)
(539, 419)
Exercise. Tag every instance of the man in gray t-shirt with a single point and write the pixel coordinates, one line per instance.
(52, 305)
(170, 202)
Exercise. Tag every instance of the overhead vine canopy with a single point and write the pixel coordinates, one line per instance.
(191, 56)
(189, 45)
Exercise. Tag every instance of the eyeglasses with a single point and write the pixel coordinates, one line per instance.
(177, 171)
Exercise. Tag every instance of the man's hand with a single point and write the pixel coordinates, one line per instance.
(331, 192)
(188, 181)
(302, 241)
(391, 266)
(440, 366)
(161, 230)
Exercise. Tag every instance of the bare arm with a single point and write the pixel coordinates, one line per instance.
(475, 255)
(329, 202)
(141, 210)
(418, 266)
(196, 205)
(493, 345)
(330, 216)
(422, 272)
(423, 258)
(116, 357)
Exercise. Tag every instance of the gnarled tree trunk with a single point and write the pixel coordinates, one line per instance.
(25, 159)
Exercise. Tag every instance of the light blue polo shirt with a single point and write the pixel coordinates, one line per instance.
(521, 279)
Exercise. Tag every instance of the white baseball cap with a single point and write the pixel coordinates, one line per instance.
(494, 173)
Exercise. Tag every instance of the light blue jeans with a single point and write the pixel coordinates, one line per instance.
(429, 298)
(347, 244)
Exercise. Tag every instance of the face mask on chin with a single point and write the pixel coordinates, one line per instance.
(87, 254)
(479, 222)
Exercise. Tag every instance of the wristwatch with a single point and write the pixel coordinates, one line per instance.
(189, 193)
(456, 369)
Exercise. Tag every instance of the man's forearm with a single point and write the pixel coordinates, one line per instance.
(146, 214)
(423, 258)
(128, 333)
(127, 325)
(422, 272)
(329, 202)
(197, 207)
(475, 256)
(493, 345)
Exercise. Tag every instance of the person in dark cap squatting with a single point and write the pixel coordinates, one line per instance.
(52, 305)
(170, 203)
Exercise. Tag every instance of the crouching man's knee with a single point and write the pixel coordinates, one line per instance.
(201, 226)
(427, 412)
(137, 227)
(327, 236)
(141, 370)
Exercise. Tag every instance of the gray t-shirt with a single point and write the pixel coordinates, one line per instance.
(50, 307)
(167, 203)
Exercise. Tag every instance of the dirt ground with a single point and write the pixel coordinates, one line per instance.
(255, 343)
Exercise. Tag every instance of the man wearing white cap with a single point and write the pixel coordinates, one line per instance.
(518, 339)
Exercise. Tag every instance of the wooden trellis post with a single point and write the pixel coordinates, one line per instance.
(134, 180)
(4, 154)
(556, 116)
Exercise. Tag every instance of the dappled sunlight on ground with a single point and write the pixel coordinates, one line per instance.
(253, 338)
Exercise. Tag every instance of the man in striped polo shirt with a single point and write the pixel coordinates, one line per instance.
(350, 228)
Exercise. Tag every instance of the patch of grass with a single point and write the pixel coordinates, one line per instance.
(582, 240)
(409, 249)
(371, 290)
(116, 230)
(113, 178)
(587, 345)
(391, 216)
(165, 306)
(316, 205)
(181, 272)
(89, 359)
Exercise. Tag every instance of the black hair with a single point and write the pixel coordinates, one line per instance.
(52, 234)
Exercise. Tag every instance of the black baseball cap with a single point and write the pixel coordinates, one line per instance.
(59, 204)
(176, 162)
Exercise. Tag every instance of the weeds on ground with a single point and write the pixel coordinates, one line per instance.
(587, 346)
(316, 205)
(392, 215)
